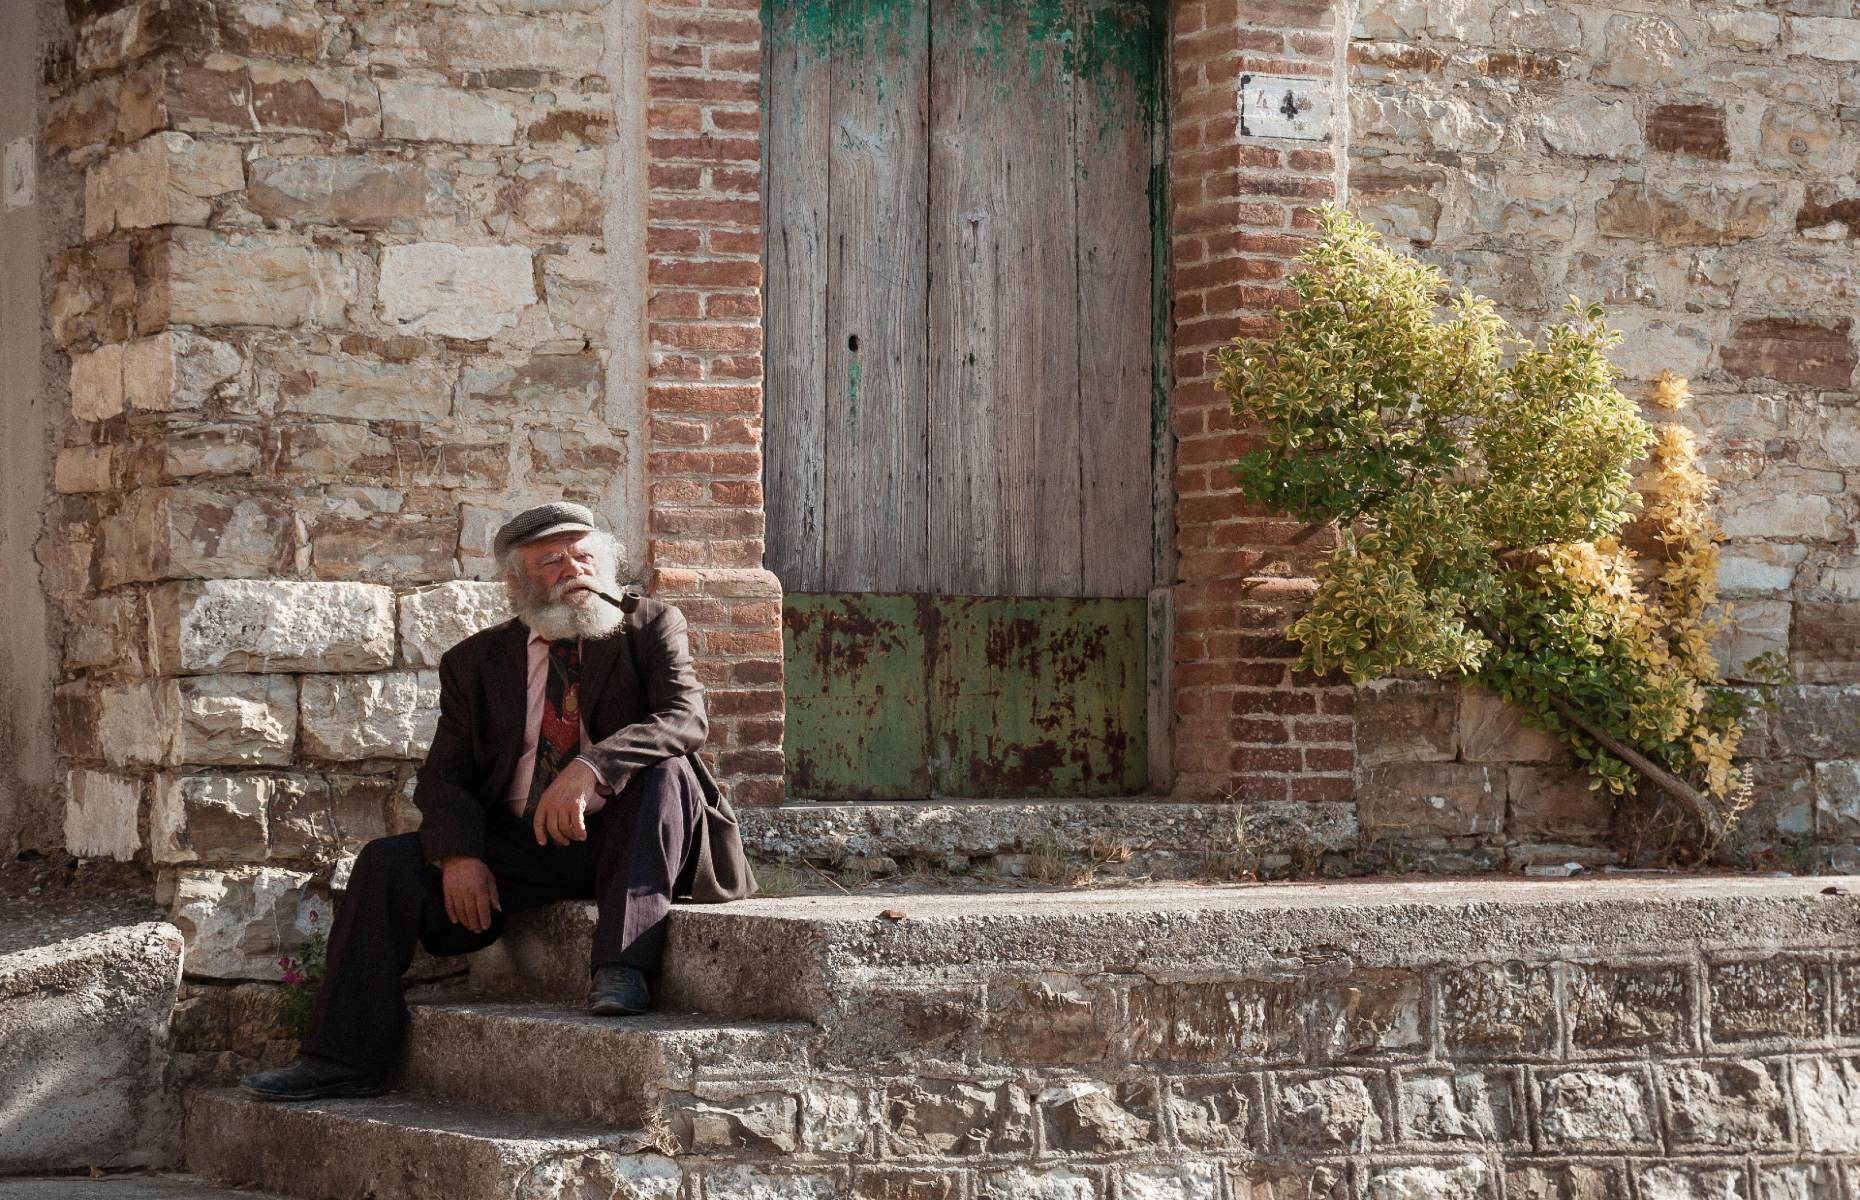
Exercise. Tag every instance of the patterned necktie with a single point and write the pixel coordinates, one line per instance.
(558, 740)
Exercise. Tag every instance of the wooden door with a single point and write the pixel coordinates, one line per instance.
(962, 389)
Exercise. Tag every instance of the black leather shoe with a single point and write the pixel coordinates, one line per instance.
(618, 991)
(313, 1078)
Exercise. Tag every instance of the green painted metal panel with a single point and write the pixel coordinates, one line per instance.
(1039, 697)
(857, 725)
(902, 697)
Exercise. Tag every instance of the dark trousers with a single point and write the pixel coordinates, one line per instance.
(636, 846)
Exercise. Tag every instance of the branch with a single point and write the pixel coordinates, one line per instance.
(1694, 801)
(1690, 798)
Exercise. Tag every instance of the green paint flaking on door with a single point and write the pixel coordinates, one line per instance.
(1114, 46)
(908, 697)
(857, 724)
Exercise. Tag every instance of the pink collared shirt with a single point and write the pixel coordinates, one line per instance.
(537, 694)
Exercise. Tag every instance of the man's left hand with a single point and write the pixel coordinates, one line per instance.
(560, 816)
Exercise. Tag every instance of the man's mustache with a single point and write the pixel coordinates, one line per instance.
(626, 602)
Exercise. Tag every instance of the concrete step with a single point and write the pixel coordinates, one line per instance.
(545, 1058)
(801, 958)
(403, 1148)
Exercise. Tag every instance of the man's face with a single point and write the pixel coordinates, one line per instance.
(561, 568)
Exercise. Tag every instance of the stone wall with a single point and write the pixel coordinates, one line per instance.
(1662, 1040)
(353, 285)
(1691, 167)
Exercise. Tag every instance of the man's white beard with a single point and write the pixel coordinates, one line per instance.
(555, 618)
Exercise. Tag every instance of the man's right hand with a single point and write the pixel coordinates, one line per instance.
(471, 891)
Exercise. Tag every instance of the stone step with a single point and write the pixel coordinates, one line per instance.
(800, 958)
(405, 1148)
(121, 1187)
(544, 1058)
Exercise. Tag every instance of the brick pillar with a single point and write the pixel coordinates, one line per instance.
(1246, 726)
(704, 399)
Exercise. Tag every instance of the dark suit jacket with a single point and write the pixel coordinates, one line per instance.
(642, 702)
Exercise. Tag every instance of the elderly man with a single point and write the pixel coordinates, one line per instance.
(563, 767)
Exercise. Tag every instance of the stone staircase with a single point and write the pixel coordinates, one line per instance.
(514, 1096)
(1463, 1040)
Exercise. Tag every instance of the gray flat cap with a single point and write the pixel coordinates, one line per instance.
(545, 520)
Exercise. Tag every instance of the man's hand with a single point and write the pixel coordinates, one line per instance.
(560, 814)
(471, 891)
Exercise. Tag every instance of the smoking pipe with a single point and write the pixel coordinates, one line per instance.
(626, 602)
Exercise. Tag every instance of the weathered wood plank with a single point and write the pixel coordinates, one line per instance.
(1112, 144)
(795, 184)
(1004, 487)
(877, 422)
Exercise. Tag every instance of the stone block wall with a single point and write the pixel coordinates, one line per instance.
(1661, 1041)
(1691, 167)
(1678, 1077)
(353, 285)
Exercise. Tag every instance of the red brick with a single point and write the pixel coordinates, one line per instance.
(706, 336)
(704, 398)
(674, 54)
(751, 731)
(674, 583)
(676, 553)
(675, 118)
(738, 431)
(674, 177)
(751, 762)
(1282, 702)
(687, 87)
(748, 552)
(729, 179)
(1221, 448)
(699, 611)
(757, 793)
(1210, 330)
(706, 28)
(737, 491)
(736, 462)
(1269, 731)
(1311, 160)
(705, 148)
(678, 462)
(677, 433)
(704, 522)
(676, 491)
(1258, 758)
(744, 641)
(669, 239)
(731, 306)
(705, 273)
(730, 212)
(735, 241)
(1324, 759)
(731, 120)
(1322, 789)
(665, 302)
(747, 366)
(675, 366)
(1323, 729)
(735, 60)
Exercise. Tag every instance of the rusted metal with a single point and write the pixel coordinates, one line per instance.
(903, 697)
